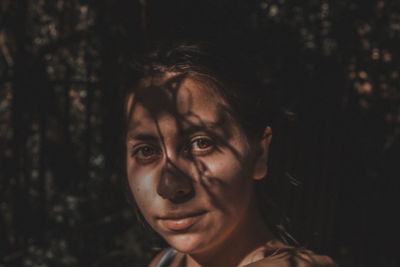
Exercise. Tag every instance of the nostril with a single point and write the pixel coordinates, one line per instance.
(175, 187)
(181, 193)
(182, 196)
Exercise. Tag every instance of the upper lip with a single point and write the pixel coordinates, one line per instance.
(180, 215)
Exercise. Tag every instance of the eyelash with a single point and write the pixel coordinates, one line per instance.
(201, 151)
(139, 151)
(193, 147)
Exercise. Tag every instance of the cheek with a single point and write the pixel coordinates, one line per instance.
(227, 171)
(229, 180)
(142, 183)
(231, 168)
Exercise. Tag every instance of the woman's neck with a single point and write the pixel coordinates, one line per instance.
(251, 234)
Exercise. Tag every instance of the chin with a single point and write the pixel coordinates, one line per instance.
(188, 243)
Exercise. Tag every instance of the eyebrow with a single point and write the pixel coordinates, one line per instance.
(212, 129)
(142, 137)
(194, 128)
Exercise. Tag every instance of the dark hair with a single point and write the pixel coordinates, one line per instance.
(234, 72)
(235, 75)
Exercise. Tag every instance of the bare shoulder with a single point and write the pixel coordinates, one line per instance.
(298, 260)
(158, 257)
(286, 256)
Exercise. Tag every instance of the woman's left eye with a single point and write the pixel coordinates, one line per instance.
(201, 145)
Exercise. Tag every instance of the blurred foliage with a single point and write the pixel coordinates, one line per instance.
(335, 64)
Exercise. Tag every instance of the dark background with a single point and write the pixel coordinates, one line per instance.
(335, 64)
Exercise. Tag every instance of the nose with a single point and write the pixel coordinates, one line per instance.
(175, 185)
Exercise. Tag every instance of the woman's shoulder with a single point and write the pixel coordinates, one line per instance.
(277, 254)
(272, 254)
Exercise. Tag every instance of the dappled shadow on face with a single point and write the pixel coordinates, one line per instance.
(159, 98)
(175, 184)
(205, 181)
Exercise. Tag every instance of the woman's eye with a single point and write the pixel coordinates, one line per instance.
(201, 145)
(146, 153)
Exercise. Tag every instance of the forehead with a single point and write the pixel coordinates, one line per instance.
(191, 100)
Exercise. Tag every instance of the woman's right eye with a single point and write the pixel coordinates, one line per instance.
(146, 153)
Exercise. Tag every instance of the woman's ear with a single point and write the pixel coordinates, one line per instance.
(260, 167)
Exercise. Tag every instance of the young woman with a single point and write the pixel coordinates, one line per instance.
(197, 140)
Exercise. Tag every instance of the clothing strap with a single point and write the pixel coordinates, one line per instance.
(167, 258)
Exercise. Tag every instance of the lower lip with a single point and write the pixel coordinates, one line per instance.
(181, 224)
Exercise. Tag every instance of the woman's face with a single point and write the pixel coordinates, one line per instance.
(189, 165)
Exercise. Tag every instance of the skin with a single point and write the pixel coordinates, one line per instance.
(187, 157)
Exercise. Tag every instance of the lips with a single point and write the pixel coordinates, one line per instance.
(180, 222)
